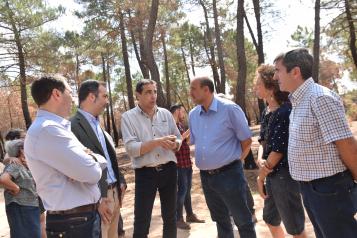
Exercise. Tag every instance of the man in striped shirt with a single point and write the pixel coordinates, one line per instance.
(322, 151)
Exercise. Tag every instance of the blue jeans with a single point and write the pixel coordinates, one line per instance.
(331, 204)
(79, 225)
(24, 221)
(184, 183)
(225, 193)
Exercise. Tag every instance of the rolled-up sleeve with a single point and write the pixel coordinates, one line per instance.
(62, 151)
(131, 140)
(239, 123)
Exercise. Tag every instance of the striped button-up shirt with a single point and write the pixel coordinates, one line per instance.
(316, 121)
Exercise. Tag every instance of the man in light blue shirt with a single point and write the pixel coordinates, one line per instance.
(66, 174)
(222, 139)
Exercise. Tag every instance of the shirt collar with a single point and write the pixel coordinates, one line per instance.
(299, 93)
(61, 120)
(212, 107)
(88, 116)
(138, 108)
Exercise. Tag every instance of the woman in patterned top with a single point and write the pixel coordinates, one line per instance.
(282, 201)
(21, 199)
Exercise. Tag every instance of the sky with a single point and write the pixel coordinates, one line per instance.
(292, 14)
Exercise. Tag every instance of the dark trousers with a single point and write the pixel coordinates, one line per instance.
(79, 225)
(250, 200)
(24, 221)
(184, 183)
(147, 182)
(225, 194)
(331, 205)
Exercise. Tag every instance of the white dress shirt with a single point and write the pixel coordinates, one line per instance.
(65, 175)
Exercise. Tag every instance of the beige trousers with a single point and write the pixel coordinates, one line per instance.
(111, 230)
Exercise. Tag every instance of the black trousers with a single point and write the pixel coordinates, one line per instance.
(147, 182)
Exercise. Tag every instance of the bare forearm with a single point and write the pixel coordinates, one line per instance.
(6, 181)
(148, 146)
(274, 158)
(347, 149)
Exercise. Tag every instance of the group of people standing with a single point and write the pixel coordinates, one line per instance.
(307, 157)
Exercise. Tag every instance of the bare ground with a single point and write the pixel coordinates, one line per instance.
(205, 230)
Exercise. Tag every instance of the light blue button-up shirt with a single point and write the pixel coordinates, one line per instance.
(217, 133)
(65, 175)
(95, 124)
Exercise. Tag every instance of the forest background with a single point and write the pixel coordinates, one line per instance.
(169, 41)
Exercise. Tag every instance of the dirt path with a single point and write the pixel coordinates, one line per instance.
(206, 230)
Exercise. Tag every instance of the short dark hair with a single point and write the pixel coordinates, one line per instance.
(205, 81)
(266, 73)
(87, 87)
(14, 134)
(42, 88)
(175, 107)
(297, 58)
(140, 85)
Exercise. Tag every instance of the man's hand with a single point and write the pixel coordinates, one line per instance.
(186, 134)
(167, 142)
(104, 210)
(122, 192)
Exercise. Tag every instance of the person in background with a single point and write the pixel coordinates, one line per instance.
(184, 173)
(14, 134)
(282, 200)
(21, 199)
(322, 151)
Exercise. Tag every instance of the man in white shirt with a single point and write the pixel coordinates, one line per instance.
(65, 172)
(151, 137)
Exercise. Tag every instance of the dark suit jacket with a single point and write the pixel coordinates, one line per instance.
(85, 134)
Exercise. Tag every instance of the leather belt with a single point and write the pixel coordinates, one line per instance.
(80, 209)
(159, 167)
(221, 169)
(112, 185)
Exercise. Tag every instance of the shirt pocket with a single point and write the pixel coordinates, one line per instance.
(161, 128)
(304, 128)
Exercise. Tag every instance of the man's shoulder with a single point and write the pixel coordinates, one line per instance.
(130, 112)
(320, 93)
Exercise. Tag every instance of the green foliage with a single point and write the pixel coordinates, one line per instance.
(350, 102)
(302, 37)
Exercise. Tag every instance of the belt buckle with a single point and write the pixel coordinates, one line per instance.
(159, 168)
(212, 172)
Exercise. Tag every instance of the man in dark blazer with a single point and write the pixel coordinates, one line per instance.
(93, 99)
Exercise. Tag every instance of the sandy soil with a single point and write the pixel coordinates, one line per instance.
(205, 230)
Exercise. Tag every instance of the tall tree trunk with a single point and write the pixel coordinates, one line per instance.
(107, 125)
(22, 66)
(125, 107)
(139, 55)
(210, 46)
(257, 43)
(184, 62)
(167, 76)
(316, 53)
(352, 30)
(151, 63)
(191, 54)
(115, 129)
(77, 71)
(219, 49)
(129, 85)
(241, 58)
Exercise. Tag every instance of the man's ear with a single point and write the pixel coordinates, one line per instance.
(296, 72)
(56, 94)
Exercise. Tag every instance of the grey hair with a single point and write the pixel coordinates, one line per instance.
(14, 147)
